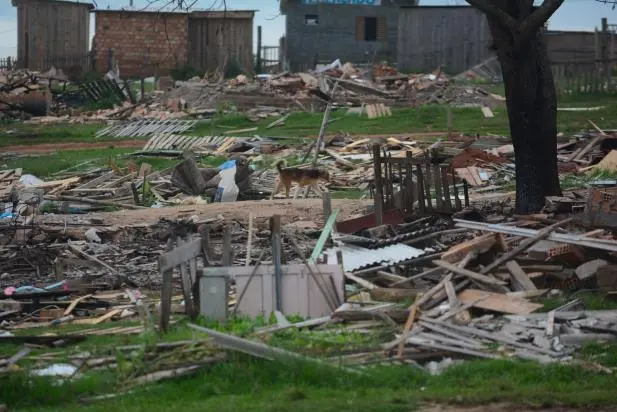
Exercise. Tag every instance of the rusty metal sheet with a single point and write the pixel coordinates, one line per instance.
(390, 217)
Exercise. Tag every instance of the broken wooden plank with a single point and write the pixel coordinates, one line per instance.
(93, 202)
(492, 336)
(550, 324)
(98, 320)
(487, 112)
(258, 349)
(180, 254)
(498, 302)
(525, 244)
(238, 131)
(393, 295)
(338, 159)
(451, 293)
(362, 282)
(450, 348)
(520, 280)
(594, 142)
(479, 244)
(323, 237)
(74, 304)
(466, 272)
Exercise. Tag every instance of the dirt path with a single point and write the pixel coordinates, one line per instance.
(135, 144)
(54, 147)
(299, 211)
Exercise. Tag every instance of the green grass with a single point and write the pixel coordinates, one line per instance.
(407, 120)
(45, 165)
(571, 180)
(31, 134)
(592, 301)
(299, 124)
(255, 385)
(245, 383)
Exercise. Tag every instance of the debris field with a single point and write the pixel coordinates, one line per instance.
(429, 267)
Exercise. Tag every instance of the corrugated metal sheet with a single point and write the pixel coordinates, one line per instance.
(356, 257)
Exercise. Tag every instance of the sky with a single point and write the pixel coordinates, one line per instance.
(573, 15)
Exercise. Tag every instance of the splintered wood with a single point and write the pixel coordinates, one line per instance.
(498, 302)
(8, 180)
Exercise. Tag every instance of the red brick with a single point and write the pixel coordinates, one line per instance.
(144, 44)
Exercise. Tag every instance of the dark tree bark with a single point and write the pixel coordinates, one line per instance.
(530, 95)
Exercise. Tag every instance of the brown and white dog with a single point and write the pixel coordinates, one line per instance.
(303, 177)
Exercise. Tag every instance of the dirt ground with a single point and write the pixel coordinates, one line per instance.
(137, 144)
(298, 210)
(54, 147)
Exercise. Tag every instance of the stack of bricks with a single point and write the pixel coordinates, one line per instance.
(143, 43)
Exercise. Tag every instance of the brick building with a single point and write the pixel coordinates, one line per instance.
(146, 43)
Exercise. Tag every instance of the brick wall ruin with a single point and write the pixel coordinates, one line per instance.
(144, 43)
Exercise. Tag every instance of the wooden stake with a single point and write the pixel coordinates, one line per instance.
(227, 252)
(249, 240)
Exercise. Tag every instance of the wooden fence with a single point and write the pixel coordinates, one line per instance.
(585, 77)
(7, 63)
(70, 64)
(402, 181)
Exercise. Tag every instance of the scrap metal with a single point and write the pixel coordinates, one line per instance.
(571, 238)
(356, 257)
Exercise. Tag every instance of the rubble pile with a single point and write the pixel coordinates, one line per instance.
(438, 270)
(50, 97)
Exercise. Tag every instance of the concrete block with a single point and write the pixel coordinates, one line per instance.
(589, 269)
(606, 278)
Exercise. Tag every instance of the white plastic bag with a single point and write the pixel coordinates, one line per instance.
(227, 189)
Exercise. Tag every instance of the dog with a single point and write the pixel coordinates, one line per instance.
(303, 177)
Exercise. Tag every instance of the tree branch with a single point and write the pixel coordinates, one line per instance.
(538, 17)
(496, 12)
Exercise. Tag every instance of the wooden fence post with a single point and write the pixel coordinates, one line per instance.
(275, 228)
(258, 67)
(378, 185)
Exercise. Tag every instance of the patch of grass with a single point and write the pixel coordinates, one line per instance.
(249, 384)
(571, 180)
(407, 120)
(245, 383)
(592, 301)
(32, 134)
(348, 194)
(45, 165)
(602, 353)
(429, 118)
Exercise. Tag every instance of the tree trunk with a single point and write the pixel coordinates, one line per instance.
(532, 111)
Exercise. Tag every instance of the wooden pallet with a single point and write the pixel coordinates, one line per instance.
(182, 142)
(374, 111)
